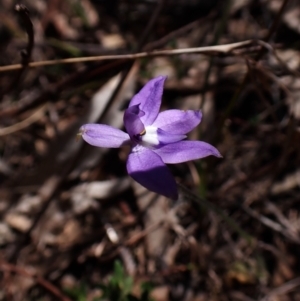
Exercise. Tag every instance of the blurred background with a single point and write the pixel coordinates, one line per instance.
(74, 226)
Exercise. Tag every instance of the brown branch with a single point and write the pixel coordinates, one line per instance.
(277, 21)
(23, 12)
(282, 289)
(246, 78)
(7, 267)
(35, 100)
(273, 28)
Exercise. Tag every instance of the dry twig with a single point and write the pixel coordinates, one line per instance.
(209, 50)
(4, 266)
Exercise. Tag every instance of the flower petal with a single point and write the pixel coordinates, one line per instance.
(183, 151)
(147, 168)
(132, 121)
(149, 99)
(102, 135)
(178, 121)
(166, 138)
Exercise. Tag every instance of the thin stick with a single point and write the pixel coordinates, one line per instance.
(208, 205)
(258, 56)
(4, 266)
(226, 48)
(38, 114)
(24, 13)
(282, 289)
(26, 53)
(140, 45)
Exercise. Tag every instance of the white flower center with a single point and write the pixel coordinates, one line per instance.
(150, 137)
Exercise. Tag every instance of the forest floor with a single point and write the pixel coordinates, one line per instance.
(75, 226)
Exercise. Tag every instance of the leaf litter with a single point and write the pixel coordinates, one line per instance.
(69, 211)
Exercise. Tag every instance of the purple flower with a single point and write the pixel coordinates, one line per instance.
(156, 139)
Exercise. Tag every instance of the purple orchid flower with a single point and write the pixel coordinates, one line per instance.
(156, 139)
